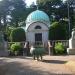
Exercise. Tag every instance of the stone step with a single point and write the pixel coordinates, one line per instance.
(71, 51)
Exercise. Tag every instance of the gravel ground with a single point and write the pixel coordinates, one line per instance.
(21, 65)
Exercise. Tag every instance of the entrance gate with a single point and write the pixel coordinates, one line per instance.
(38, 38)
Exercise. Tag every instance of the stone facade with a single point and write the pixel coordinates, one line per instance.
(31, 31)
(37, 26)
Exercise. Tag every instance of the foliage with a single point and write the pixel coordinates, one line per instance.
(9, 29)
(19, 11)
(59, 48)
(54, 6)
(17, 35)
(58, 31)
(12, 12)
(49, 2)
(16, 48)
(37, 52)
(57, 8)
(4, 11)
(49, 6)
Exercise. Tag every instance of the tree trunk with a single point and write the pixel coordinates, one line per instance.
(16, 22)
(4, 20)
(0, 24)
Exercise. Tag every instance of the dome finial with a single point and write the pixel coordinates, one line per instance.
(37, 6)
(37, 15)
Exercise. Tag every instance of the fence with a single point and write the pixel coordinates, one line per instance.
(64, 42)
(51, 45)
(51, 42)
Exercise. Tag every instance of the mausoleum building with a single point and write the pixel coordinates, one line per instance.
(37, 27)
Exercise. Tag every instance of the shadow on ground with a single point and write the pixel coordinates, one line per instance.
(55, 61)
(21, 57)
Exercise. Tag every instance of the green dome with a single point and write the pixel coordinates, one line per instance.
(38, 16)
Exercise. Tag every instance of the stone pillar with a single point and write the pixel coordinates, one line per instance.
(3, 48)
(50, 48)
(71, 49)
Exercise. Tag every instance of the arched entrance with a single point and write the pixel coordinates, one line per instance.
(37, 27)
(37, 33)
(38, 37)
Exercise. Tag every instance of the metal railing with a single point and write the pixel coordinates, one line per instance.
(51, 45)
(39, 43)
(10, 43)
(64, 42)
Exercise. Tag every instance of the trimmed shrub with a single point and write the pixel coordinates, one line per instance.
(8, 32)
(18, 35)
(59, 48)
(57, 30)
(37, 52)
(16, 49)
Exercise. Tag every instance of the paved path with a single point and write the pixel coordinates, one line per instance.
(52, 65)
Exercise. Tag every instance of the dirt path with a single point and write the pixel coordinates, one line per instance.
(52, 65)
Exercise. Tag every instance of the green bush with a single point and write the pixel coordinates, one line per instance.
(18, 35)
(59, 48)
(57, 30)
(37, 52)
(16, 49)
(8, 32)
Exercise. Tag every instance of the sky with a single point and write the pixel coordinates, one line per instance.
(29, 2)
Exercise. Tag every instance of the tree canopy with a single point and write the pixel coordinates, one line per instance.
(14, 12)
(58, 31)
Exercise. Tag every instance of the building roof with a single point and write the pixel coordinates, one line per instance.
(37, 16)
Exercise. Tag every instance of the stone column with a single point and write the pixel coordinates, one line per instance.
(3, 49)
(50, 48)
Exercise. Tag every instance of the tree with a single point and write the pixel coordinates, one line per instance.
(18, 12)
(56, 7)
(59, 9)
(58, 31)
(18, 35)
(4, 11)
(15, 9)
(71, 6)
(33, 5)
(49, 6)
